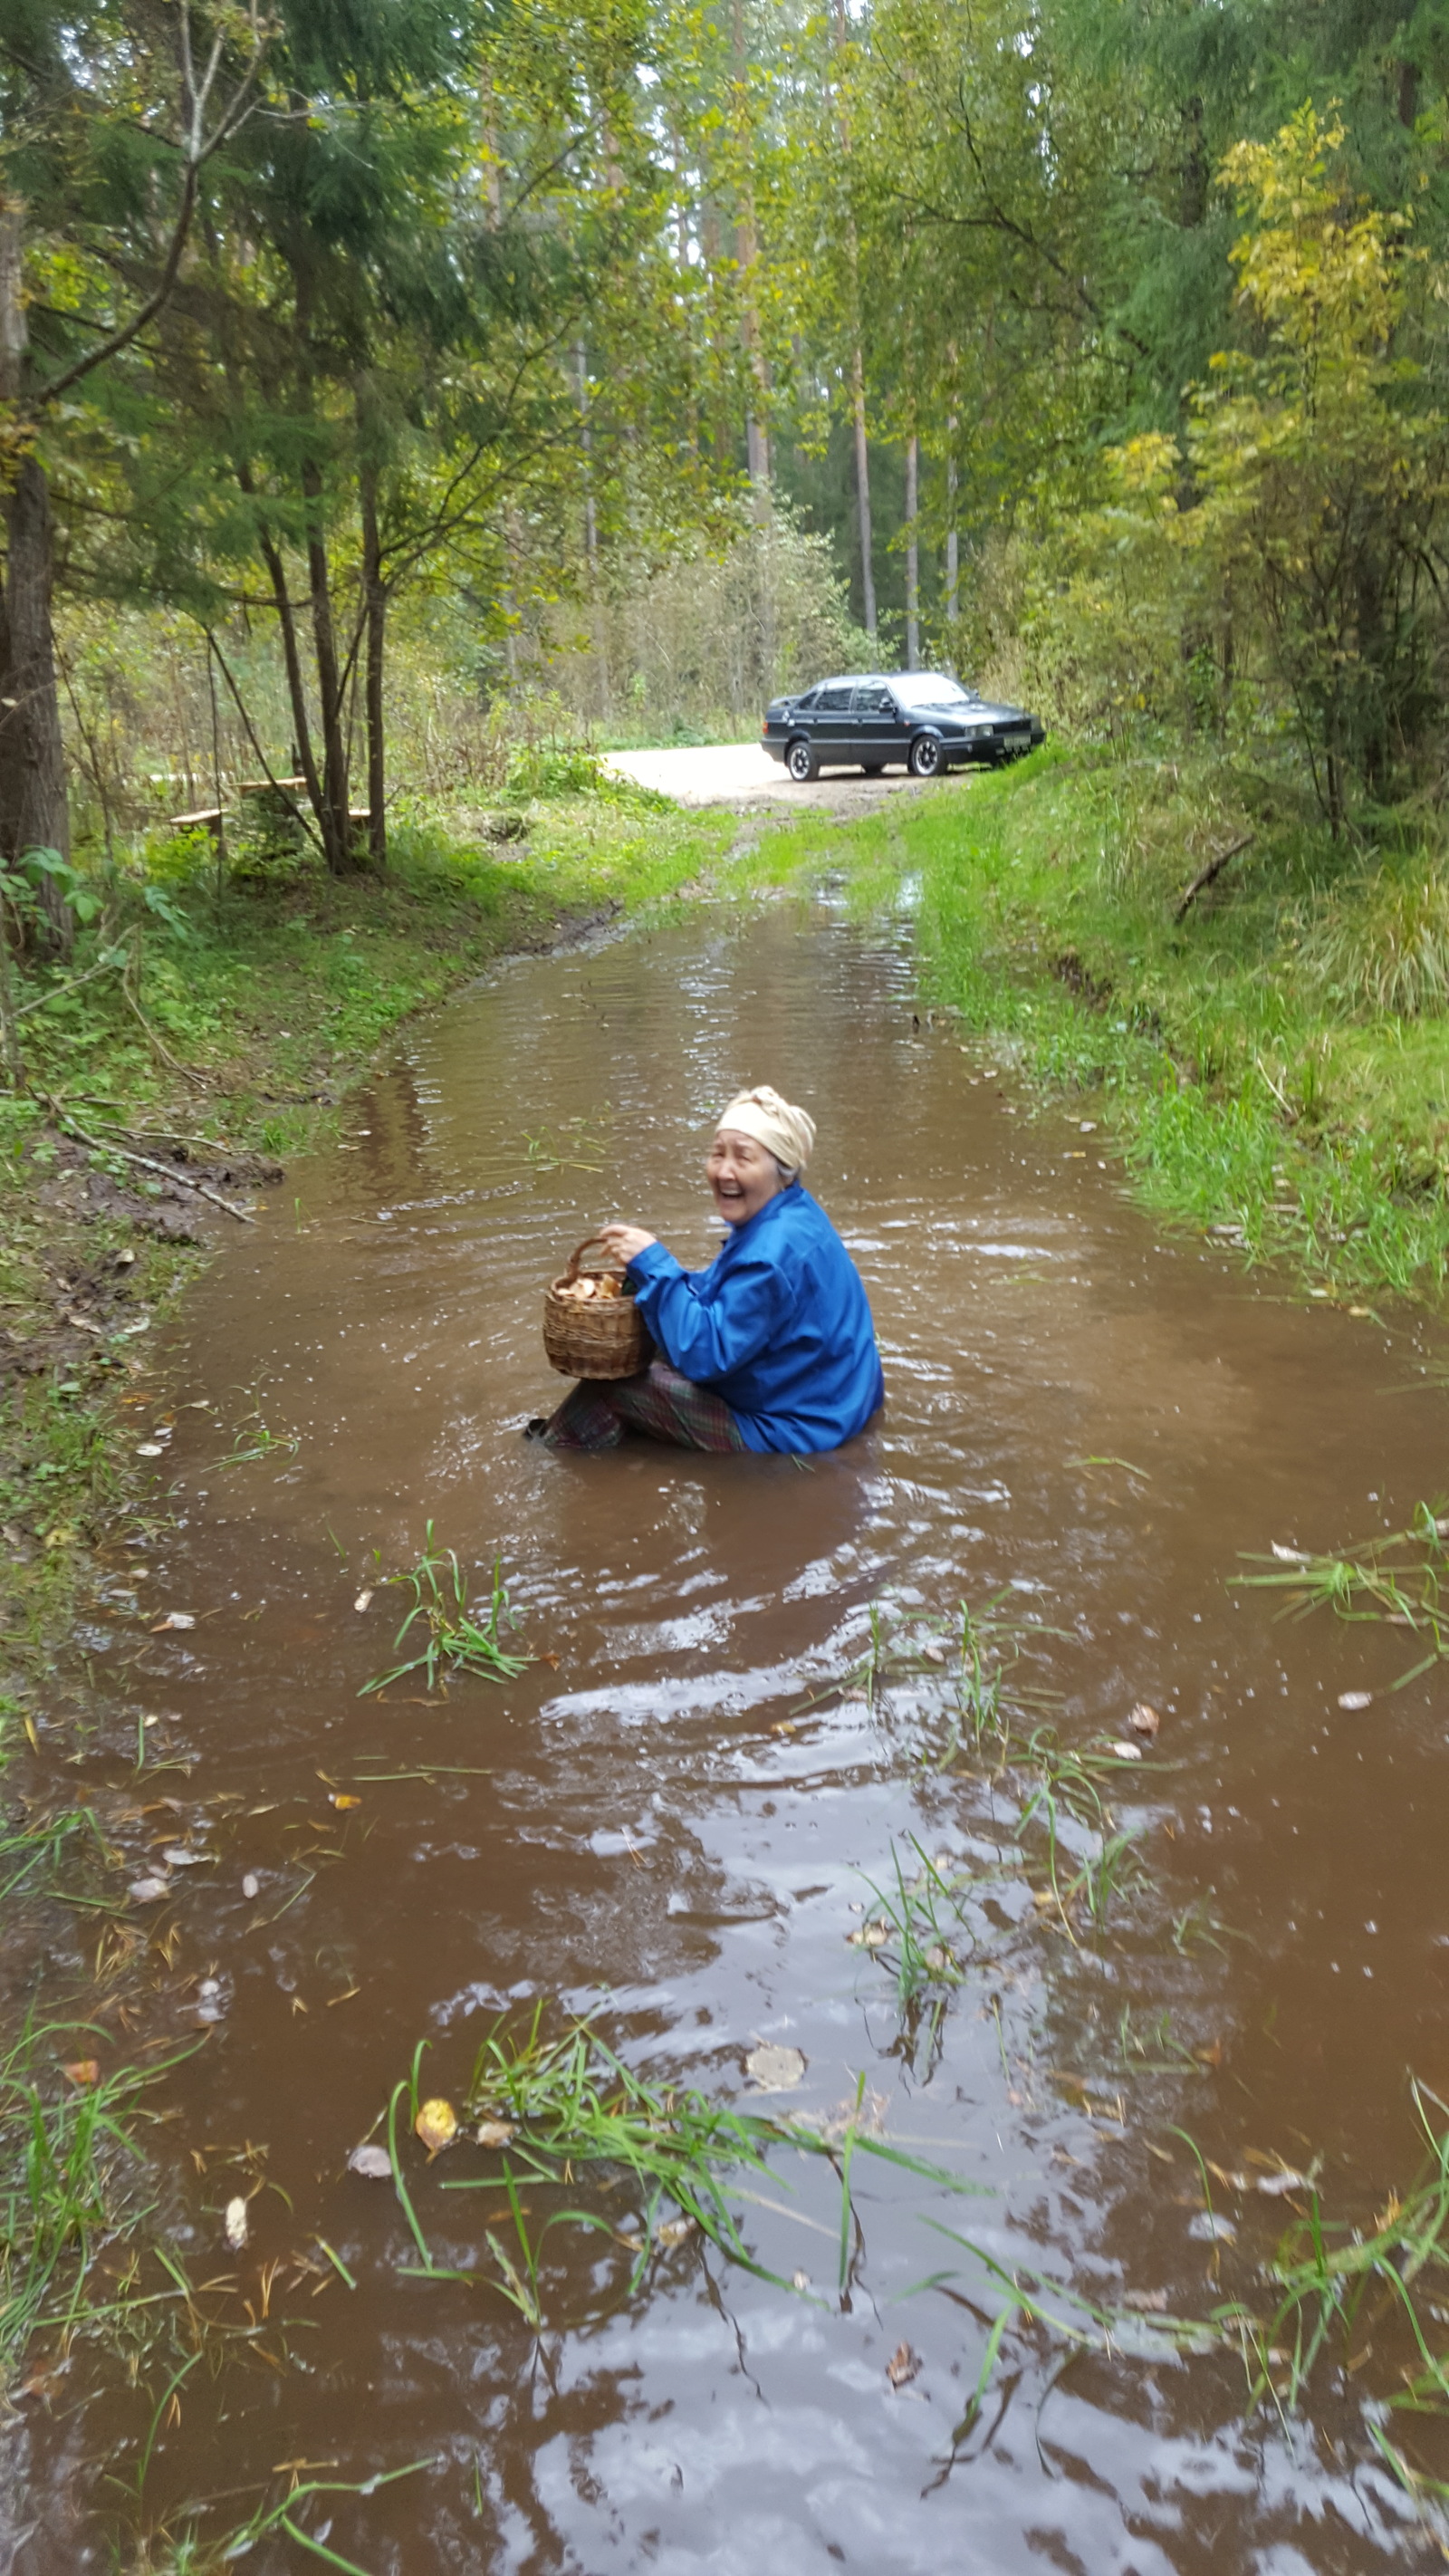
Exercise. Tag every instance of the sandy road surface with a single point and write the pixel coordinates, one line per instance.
(741, 774)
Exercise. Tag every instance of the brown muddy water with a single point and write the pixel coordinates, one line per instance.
(671, 1824)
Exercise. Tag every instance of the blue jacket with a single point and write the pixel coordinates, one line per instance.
(778, 1325)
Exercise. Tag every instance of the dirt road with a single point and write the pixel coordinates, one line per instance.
(741, 774)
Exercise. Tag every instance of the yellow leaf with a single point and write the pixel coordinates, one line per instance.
(437, 2125)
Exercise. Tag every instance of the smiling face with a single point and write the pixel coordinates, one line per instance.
(742, 1175)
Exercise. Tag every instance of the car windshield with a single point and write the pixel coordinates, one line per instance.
(926, 689)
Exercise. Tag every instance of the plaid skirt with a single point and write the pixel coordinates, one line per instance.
(658, 1402)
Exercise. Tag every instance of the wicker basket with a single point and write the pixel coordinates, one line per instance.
(594, 1336)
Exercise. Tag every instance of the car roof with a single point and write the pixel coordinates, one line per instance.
(878, 679)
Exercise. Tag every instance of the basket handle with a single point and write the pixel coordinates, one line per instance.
(575, 1257)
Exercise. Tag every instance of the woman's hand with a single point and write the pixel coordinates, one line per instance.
(626, 1240)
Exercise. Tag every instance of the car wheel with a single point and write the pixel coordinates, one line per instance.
(801, 762)
(871, 768)
(925, 759)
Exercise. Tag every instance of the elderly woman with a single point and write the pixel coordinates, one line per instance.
(771, 1347)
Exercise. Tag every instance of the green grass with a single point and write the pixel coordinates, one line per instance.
(1400, 1578)
(565, 2115)
(454, 1640)
(1276, 1063)
(71, 2169)
(188, 2552)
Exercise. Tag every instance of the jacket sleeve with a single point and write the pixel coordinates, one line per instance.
(709, 1338)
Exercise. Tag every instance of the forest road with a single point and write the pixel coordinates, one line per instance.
(742, 774)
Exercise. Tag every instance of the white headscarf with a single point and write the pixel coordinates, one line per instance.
(784, 1131)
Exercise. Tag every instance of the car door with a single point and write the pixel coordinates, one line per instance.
(832, 732)
(879, 734)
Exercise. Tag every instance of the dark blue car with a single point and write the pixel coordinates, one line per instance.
(913, 719)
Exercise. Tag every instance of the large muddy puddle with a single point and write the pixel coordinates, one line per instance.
(677, 1817)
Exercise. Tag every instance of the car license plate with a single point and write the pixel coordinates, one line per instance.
(1016, 740)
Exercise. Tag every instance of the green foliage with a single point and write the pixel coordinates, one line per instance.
(569, 2112)
(1243, 1086)
(1380, 945)
(69, 2161)
(455, 1640)
(540, 770)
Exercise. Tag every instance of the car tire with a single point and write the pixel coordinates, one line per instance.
(871, 768)
(801, 762)
(925, 760)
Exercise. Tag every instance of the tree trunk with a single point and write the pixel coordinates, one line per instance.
(33, 811)
(375, 602)
(334, 817)
(953, 537)
(291, 656)
(747, 255)
(913, 555)
(862, 491)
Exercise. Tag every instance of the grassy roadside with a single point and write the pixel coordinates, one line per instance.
(1273, 1065)
(220, 1051)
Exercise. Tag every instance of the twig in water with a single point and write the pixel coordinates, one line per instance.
(148, 1162)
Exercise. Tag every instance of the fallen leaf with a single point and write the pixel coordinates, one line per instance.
(799, 2280)
(1144, 1720)
(1274, 2185)
(362, 1600)
(934, 1654)
(86, 2070)
(148, 1891)
(1355, 1699)
(59, 1537)
(178, 1857)
(903, 2365)
(373, 2162)
(251, 1884)
(674, 2231)
(175, 1619)
(237, 2230)
(775, 2070)
(437, 2125)
(494, 2133)
(1210, 2056)
(1122, 1751)
(1042, 1898)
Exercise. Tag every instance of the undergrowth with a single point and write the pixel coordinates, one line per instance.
(1274, 1063)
